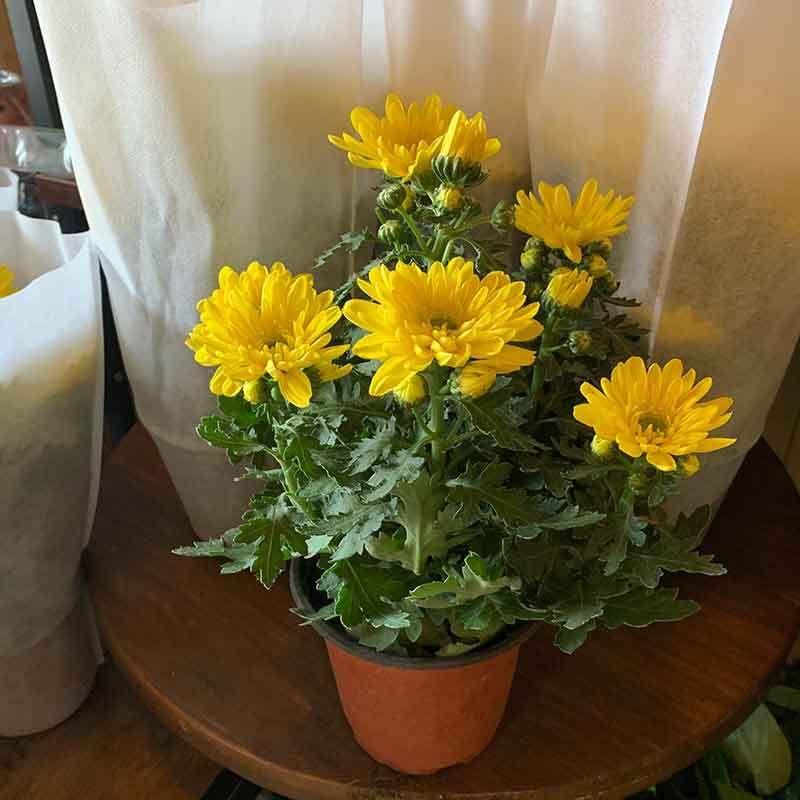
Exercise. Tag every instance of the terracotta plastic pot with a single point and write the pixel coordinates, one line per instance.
(416, 715)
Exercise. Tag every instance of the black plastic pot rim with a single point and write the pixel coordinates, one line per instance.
(301, 574)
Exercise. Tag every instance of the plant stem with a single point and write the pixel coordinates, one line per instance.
(447, 249)
(538, 370)
(436, 421)
(412, 226)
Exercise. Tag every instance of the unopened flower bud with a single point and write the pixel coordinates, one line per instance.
(391, 232)
(579, 342)
(535, 289)
(639, 484)
(502, 217)
(392, 196)
(598, 267)
(688, 466)
(605, 247)
(533, 255)
(448, 198)
(602, 448)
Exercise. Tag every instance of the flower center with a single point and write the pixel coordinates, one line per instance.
(653, 424)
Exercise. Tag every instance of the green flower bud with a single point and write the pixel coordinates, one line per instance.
(502, 217)
(392, 196)
(603, 448)
(534, 254)
(598, 268)
(579, 342)
(448, 198)
(639, 484)
(391, 232)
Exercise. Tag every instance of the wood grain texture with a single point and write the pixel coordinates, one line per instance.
(223, 662)
(111, 749)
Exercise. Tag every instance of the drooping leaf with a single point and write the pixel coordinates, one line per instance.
(569, 640)
(641, 607)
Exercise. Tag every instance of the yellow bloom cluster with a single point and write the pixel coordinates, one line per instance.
(266, 322)
(403, 143)
(562, 225)
(6, 281)
(446, 315)
(656, 412)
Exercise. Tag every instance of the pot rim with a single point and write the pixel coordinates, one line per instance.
(299, 571)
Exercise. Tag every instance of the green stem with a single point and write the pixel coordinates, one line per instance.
(448, 248)
(538, 370)
(436, 421)
(293, 489)
(412, 226)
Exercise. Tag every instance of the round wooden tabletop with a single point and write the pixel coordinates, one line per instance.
(225, 664)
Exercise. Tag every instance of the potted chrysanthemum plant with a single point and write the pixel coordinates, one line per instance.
(453, 447)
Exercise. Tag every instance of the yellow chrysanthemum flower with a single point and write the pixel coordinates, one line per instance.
(448, 315)
(655, 412)
(466, 139)
(563, 226)
(6, 281)
(267, 322)
(403, 142)
(568, 288)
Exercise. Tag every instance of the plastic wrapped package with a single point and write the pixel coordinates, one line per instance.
(51, 388)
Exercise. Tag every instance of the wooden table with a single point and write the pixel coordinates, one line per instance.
(223, 663)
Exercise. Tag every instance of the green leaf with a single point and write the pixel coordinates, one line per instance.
(669, 554)
(565, 518)
(323, 614)
(476, 579)
(402, 467)
(373, 448)
(784, 696)
(317, 544)
(641, 607)
(226, 434)
(426, 528)
(378, 638)
(761, 751)
(352, 241)
(628, 529)
(493, 424)
(369, 591)
(356, 527)
(568, 641)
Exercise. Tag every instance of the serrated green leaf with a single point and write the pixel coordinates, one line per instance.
(401, 467)
(226, 434)
(352, 241)
(568, 641)
(493, 424)
(373, 448)
(474, 580)
(317, 544)
(368, 591)
(641, 607)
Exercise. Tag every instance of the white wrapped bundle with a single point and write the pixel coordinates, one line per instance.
(51, 411)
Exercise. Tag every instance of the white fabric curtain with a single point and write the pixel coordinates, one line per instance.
(198, 136)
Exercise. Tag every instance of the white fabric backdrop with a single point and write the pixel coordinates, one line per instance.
(198, 136)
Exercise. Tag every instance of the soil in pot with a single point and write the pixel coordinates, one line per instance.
(416, 715)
